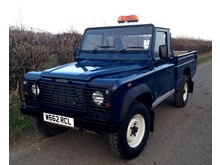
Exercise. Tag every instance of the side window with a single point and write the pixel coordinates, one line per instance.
(160, 40)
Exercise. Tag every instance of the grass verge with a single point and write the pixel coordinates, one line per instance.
(19, 124)
(204, 58)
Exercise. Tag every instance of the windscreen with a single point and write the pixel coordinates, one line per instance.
(117, 38)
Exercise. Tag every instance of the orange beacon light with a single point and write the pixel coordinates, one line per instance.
(129, 18)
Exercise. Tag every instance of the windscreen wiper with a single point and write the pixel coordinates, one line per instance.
(101, 46)
(131, 47)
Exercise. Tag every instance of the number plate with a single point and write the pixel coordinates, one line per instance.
(57, 119)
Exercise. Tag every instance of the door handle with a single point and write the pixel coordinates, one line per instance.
(168, 71)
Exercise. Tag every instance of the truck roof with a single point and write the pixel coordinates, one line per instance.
(125, 25)
(124, 21)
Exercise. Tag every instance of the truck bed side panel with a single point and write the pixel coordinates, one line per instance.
(184, 64)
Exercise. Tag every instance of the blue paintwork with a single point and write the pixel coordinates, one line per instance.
(126, 75)
(86, 70)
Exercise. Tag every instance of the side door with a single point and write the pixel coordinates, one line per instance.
(164, 70)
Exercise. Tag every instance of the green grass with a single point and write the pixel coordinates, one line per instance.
(19, 124)
(203, 59)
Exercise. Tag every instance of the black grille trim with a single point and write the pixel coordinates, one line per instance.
(91, 106)
(73, 97)
(30, 98)
(61, 95)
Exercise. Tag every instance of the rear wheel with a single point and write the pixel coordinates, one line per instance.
(181, 96)
(46, 128)
(132, 136)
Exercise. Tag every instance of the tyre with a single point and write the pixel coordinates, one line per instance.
(181, 96)
(47, 129)
(132, 136)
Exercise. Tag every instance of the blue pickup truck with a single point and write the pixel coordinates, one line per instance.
(119, 75)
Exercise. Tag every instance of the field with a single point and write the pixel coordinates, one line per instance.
(29, 50)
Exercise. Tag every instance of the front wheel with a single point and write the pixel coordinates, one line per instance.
(46, 128)
(132, 136)
(181, 96)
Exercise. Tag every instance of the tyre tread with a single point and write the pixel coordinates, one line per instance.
(42, 127)
(178, 96)
(117, 141)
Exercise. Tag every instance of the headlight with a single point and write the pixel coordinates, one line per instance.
(24, 82)
(97, 98)
(35, 89)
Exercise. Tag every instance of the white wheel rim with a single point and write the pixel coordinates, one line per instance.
(185, 91)
(135, 131)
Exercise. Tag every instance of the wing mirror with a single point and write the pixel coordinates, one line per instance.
(75, 50)
(163, 51)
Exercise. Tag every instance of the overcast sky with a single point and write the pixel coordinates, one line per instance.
(184, 18)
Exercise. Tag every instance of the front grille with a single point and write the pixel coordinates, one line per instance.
(77, 97)
(61, 95)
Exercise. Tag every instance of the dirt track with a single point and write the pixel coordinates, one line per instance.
(181, 136)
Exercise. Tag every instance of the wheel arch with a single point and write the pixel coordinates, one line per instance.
(138, 93)
(187, 72)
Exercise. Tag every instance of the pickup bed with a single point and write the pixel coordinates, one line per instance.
(119, 75)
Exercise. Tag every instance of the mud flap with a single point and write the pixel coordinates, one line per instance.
(191, 85)
(151, 120)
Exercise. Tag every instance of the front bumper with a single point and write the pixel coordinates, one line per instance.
(79, 122)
